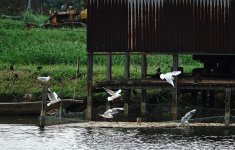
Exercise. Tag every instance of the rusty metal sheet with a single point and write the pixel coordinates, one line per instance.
(161, 26)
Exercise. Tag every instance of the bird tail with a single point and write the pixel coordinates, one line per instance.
(48, 104)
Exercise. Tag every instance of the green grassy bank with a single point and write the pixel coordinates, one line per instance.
(58, 51)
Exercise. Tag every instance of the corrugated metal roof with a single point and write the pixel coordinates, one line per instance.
(161, 26)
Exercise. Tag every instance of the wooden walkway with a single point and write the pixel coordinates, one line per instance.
(183, 83)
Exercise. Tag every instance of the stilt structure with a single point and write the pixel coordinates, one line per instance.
(175, 89)
(89, 85)
(127, 93)
(143, 91)
(44, 105)
(109, 74)
(163, 27)
(227, 106)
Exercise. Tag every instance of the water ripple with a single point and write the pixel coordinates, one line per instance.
(62, 137)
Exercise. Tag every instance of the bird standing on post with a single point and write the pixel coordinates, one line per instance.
(43, 79)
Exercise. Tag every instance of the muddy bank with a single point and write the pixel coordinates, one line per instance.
(98, 124)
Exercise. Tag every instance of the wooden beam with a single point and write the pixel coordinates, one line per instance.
(89, 85)
(108, 75)
(42, 121)
(175, 89)
(109, 67)
(143, 91)
(127, 93)
(227, 101)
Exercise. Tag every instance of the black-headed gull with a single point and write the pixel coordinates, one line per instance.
(109, 113)
(113, 94)
(184, 119)
(53, 97)
(169, 76)
(44, 79)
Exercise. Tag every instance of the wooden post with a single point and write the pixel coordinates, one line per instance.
(175, 89)
(127, 93)
(89, 85)
(62, 97)
(44, 105)
(194, 95)
(109, 74)
(143, 91)
(227, 106)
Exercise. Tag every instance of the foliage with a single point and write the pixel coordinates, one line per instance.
(58, 51)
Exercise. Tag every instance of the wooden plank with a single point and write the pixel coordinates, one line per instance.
(175, 90)
(127, 93)
(44, 105)
(108, 75)
(143, 91)
(89, 85)
(227, 106)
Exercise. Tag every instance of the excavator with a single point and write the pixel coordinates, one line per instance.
(68, 16)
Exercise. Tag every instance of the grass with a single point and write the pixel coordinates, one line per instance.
(58, 51)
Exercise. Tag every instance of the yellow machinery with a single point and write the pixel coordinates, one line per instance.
(68, 18)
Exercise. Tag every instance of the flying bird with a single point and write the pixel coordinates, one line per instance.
(184, 119)
(53, 97)
(113, 94)
(110, 112)
(169, 76)
(43, 79)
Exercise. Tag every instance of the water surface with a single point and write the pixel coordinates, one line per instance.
(67, 137)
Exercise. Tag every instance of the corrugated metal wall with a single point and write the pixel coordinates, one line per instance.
(164, 26)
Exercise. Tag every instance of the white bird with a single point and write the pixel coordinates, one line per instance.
(53, 97)
(113, 94)
(44, 79)
(169, 76)
(110, 112)
(184, 119)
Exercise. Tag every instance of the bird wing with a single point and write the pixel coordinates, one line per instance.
(109, 111)
(175, 73)
(55, 95)
(51, 96)
(109, 91)
(169, 80)
(189, 114)
(116, 110)
(119, 91)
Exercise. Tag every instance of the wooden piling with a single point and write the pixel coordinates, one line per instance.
(42, 121)
(127, 93)
(62, 98)
(143, 91)
(108, 74)
(89, 85)
(175, 89)
(227, 106)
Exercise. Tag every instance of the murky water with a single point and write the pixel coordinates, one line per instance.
(71, 137)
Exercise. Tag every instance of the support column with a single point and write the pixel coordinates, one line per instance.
(175, 89)
(194, 95)
(108, 74)
(42, 121)
(143, 91)
(127, 93)
(227, 106)
(89, 85)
